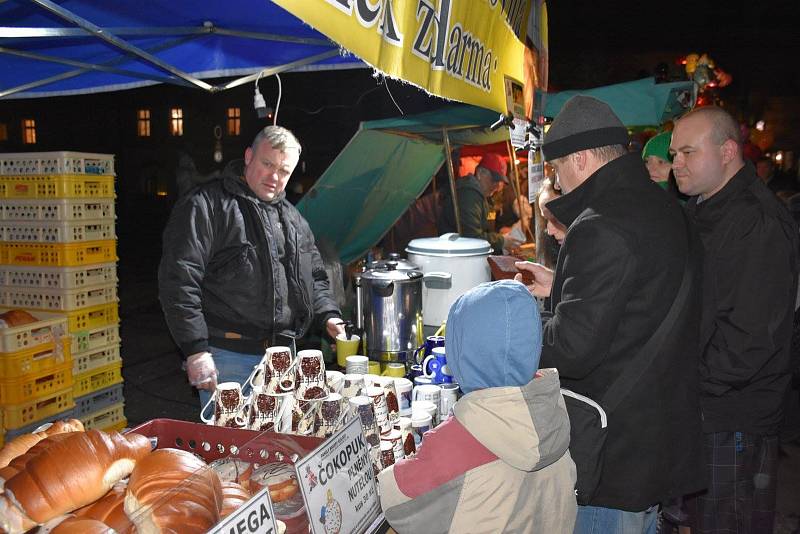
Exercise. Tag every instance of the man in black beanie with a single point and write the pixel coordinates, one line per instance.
(618, 272)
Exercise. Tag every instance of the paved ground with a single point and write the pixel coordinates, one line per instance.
(155, 386)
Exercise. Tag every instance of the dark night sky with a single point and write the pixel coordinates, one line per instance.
(599, 42)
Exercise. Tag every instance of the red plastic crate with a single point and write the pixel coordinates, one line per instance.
(215, 442)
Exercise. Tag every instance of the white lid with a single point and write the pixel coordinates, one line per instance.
(449, 245)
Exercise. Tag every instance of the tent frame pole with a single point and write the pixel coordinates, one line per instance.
(451, 174)
(512, 161)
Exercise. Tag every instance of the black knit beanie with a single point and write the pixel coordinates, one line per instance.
(584, 122)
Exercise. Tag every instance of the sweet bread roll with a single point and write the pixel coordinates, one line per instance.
(233, 496)
(233, 470)
(18, 464)
(173, 491)
(109, 509)
(13, 318)
(74, 525)
(21, 444)
(69, 474)
(279, 477)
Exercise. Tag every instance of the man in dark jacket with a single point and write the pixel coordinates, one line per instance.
(472, 191)
(750, 284)
(618, 272)
(240, 270)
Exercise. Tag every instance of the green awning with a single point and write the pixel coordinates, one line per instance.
(382, 170)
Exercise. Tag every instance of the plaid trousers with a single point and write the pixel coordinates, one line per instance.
(743, 476)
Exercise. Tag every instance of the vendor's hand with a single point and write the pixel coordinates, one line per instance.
(335, 326)
(510, 242)
(202, 371)
(542, 278)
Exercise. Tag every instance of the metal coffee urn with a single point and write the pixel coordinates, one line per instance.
(390, 302)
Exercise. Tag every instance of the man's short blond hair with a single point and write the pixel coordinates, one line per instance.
(279, 138)
(723, 126)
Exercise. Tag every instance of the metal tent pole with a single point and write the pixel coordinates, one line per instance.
(451, 174)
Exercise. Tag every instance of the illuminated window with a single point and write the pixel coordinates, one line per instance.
(234, 118)
(143, 123)
(3, 131)
(29, 131)
(176, 121)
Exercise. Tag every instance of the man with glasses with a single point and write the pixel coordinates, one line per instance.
(240, 270)
(618, 273)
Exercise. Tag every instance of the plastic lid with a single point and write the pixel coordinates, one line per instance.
(449, 245)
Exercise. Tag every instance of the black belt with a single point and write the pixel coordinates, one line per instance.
(237, 342)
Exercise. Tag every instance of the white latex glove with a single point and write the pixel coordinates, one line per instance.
(202, 371)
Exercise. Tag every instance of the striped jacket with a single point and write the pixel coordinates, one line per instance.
(500, 464)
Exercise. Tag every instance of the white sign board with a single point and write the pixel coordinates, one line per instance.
(256, 516)
(518, 133)
(338, 484)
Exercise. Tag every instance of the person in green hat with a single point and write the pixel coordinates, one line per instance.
(657, 159)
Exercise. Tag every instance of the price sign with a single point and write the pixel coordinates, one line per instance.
(256, 516)
(338, 483)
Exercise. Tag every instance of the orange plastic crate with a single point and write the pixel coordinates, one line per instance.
(35, 385)
(58, 254)
(35, 360)
(19, 415)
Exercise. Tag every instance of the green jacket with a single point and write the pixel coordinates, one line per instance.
(473, 210)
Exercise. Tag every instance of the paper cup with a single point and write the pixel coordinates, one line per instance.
(374, 368)
(378, 397)
(392, 403)
(396, 439)
(421, 422)
(357, 365)
(334, 381)
(395, 370)
(346, 347)
(403, 386)
(353, 385)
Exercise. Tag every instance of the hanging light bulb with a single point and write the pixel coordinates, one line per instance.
(218, 144)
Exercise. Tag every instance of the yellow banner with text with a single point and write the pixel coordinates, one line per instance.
(465, 50)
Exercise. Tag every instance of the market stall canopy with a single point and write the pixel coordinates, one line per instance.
(465, 50)
(382, 170)
(68, 47)
(637, 103)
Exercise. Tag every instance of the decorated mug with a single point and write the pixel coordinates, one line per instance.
(435, 367)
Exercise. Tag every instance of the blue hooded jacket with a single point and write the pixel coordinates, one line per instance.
(494, 336)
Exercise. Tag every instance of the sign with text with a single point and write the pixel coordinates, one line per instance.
(256, 516)
(338, 484)
(458, 49)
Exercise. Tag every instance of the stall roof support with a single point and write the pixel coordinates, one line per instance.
(119, 43)
(277, 70)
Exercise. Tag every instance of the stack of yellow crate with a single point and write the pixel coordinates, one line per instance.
(58, 255)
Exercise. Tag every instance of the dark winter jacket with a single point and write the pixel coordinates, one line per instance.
(473, 211)
(618, 271)
(750, 285)
(220, 273)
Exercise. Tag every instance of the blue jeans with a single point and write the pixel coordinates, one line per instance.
(597, 520)
(231, 367)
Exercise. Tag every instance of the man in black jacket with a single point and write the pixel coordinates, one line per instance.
(618, 272)
(750, 284)
(240, 270)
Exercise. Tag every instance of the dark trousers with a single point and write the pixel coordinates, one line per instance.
(743, 476)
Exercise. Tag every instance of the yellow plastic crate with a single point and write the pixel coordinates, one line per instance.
(95, 359)
(35, 298)
(35, 385)
(58, 277)
(108, 419)
(97, 379)
(39, 359)
(47, 329)
(59, 209)
(57, 231)
(95, 338)
(58, 162)
(48, 186)
(59, 255)
(92, 317)
(19, 415)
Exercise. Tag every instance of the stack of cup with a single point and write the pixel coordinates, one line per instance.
(403, 387)
(378, 397)
(363, 408)
(311, 383)
(265, 410)
(427, 397)
(230, 406)
(396, 439)
(406, 431)
(329, 416)
(334, 381)
(279, 371)
(353, 385)
(357, 365)
(421, 422)
(392, 404)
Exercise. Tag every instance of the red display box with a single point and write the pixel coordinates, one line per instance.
(215, 442)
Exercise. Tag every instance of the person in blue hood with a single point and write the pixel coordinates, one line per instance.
(501, 462)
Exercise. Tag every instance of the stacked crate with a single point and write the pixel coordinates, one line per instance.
(58, 256)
